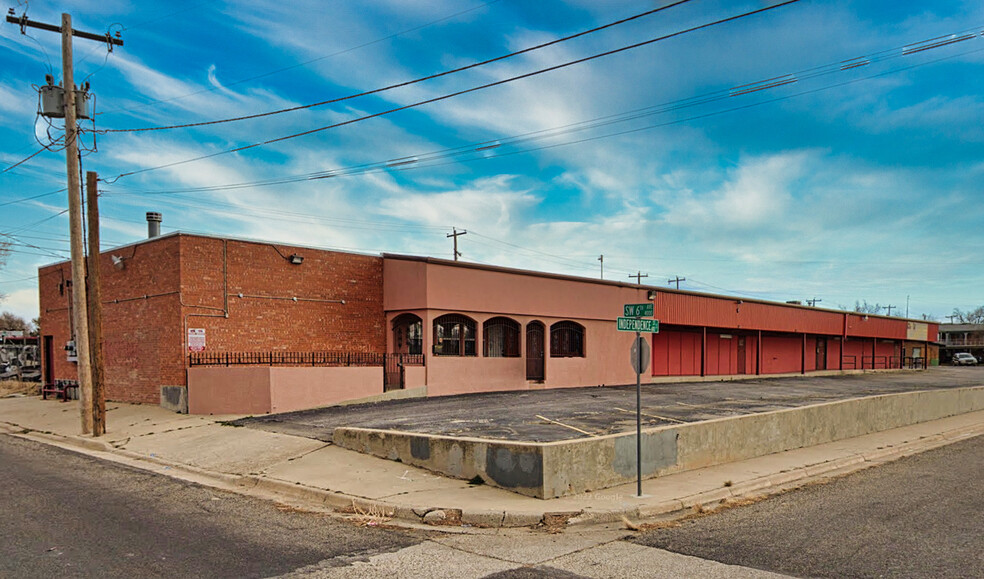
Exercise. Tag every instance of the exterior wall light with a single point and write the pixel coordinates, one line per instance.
(296, 259)
(118, 262)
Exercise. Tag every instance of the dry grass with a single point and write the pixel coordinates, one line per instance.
(696, 511)
(8, 387)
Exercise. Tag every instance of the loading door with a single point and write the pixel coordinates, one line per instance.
(821, 353)
(534, 351)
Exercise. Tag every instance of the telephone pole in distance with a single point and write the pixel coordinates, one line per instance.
(455, 235)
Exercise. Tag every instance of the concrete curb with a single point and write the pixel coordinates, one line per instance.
(307, 496)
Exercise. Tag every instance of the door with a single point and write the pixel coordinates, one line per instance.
(740, 369)
(821, 353)
(394, 373)
(534, 351)
(48, 369)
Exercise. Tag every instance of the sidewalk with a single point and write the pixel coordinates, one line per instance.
(313, 474)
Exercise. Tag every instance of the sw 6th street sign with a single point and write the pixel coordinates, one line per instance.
(636, 325)
(637, 310)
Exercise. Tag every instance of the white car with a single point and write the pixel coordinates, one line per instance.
(964, 359)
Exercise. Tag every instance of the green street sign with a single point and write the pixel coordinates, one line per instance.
(637, 325)
(638, 310)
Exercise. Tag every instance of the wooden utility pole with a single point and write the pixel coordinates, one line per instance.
(95, 308)
(639, 276)
(890, 309)
(676, 280)
(75, 228)
(455, 236)
(74, 202)
(601, 258)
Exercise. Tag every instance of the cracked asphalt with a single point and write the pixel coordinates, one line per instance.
(520, 415)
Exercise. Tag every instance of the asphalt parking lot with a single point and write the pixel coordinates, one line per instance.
(562, 414)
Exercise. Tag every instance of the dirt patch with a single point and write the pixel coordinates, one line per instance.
(8, 387)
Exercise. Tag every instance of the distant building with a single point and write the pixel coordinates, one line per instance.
(217, 325)
(956, 338)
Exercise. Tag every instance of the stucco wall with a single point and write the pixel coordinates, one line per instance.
(262, 390)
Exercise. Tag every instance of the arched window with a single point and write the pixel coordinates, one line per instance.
(454, 335)
(567, 340)
(501, 338)
(408, 334)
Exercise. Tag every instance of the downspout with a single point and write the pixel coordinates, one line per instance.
(803, 356)
(843, 343)
(758, 354)
(224, 309)
(703, 352)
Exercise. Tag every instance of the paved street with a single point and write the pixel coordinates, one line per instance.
(70, 515)
(922, 516)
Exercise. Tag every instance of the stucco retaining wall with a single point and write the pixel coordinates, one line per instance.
(554, 469)
(262, 390)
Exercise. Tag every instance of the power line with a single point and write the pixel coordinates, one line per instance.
(24, 160)
(409, 82)
(305, 63)
(461, 92)
(423, 160)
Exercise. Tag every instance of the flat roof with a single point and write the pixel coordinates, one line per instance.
(614, 283)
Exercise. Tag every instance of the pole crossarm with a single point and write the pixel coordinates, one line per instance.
(24, 22)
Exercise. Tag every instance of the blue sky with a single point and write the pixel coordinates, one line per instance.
(851, 183)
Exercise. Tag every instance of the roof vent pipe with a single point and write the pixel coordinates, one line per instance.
(153, 224)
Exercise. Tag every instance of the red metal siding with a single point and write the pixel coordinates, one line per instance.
(719, 312)
(781, 355)
(676, 353)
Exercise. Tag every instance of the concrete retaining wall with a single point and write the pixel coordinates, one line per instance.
(554, 469)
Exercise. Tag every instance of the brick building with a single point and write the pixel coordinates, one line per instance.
(215, 325)
(245, 296)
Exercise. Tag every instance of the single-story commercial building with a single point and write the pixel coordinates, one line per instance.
(216, 325)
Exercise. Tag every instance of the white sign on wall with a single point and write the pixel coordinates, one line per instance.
(196, 339)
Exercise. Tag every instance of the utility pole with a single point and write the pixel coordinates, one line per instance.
(814, 301)
(952, 317)
(676, 280)
(455, 235)
(74, 203)
(889, 308)
(907, 306)
(95, 308)
(639, 276)
(601, 258)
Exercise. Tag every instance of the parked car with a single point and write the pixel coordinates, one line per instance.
(964, 359)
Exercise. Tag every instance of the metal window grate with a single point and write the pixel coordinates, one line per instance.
(501, 338)
(454, 335)
(567, 340)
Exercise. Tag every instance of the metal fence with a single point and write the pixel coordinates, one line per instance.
(302, 359)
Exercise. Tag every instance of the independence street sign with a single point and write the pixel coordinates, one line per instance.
(636, 325)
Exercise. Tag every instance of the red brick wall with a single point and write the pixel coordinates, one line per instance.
(141, 320)
(266, 318)
(146, 320)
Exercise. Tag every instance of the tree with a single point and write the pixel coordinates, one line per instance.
(10, 321)
(863, 307)
(974, 316)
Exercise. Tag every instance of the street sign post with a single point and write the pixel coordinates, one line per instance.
(638, 310)
(634, 320)
(637, 325)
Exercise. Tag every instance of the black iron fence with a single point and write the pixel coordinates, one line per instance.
(303, 359)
